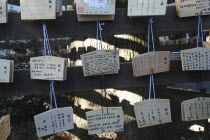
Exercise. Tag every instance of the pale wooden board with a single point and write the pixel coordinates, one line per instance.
(48, 68)
(152, 101)
(146, 7)
(105, 120)
(82, 18)
(6, 70)
(187, 8)
(38, 9)
(100, 62)
(106, 109)
(182, 112)
(54, 121)
(95, 7)
(5, 129)
(207, 43)
(195, 59)
(151, 63)
(153, 113)
(196, 109)
(3, 11)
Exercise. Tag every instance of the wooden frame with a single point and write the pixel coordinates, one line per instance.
(68, 26)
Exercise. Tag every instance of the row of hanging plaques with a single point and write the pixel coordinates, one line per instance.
(89, 10)
(100, 62)
(110, 119)
(104, 62)
(107, 62)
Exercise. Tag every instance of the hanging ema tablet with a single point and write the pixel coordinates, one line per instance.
(187, 8)
(6, 71)
(105, 120)
(38, 9)
(48, 68)
(151, 63)
(95, 10)
(146, 7)
(196, 109)
(54, 121)
(155, 112)
(100, 62)
(5, 129)
(3, 11)
(195, 59)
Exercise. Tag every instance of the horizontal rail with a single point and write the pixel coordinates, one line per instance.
(23, 85)
(68, 26)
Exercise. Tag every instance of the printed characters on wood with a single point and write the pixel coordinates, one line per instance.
(195, 59)
(5, 129)
(155, 112)
(38, 9)
(100, 62)
(196, 109)
(104, 120)
(151, 63)
(6, 71)
(187, 8)
(3, 11)
(48, 68)
(146, 7)
(54, 121)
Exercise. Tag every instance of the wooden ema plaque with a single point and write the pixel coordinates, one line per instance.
(108, 119)
(95, 10)
(6, 71)
(5, 129)
(146, 7)
(48, 68)
(3, 11)
(95, 7)
(54, 121)
(151, 63)
(207, 43)
(156, 113)
(195, 59)
(100, 62)
(187, 8)
(38, 9)
(196, 109)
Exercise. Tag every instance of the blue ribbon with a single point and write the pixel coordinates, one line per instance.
(200, 31)
(99, 31)
(47, 52)
(152, 82)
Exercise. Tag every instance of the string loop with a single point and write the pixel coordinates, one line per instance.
(47, 52)
(200, 32)
(99, 30)
(152, 82)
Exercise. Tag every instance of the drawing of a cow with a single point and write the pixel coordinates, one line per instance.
(96, 4)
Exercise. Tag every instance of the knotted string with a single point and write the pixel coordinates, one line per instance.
(97, 25)
(52, 95)
(99, 33)
(152, 82)
(47, 48)
(150, 31)
(200, 31)
(48, 52)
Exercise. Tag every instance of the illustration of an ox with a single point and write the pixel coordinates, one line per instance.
(97, 4)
